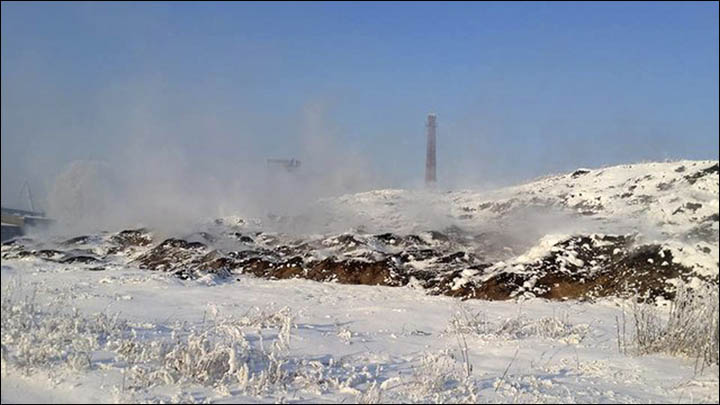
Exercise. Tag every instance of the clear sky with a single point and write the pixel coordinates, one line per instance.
(520, 89)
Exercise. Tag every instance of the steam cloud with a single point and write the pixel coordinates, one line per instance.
(155, 181)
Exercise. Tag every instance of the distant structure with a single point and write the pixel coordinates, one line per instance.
(26, 186)
(430, 168)
(289, 165)
(16, 221)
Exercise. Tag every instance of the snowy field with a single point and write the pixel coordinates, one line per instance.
(305, 341)
(81, 333)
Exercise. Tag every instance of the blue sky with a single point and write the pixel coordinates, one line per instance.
(520, 89)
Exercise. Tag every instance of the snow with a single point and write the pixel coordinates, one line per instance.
(649, 201)
(392, 332)
(352, 343)
(540, 250)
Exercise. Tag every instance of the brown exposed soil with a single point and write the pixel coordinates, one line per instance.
(619, 270)
(171, 254)
(580, 267)
(132, 237)
(642, 271)
(79, 259)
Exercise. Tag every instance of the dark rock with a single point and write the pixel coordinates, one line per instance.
(664, 186)
(48, 253)
(243, 238)
(693, 206)
(78, 240)
(79, 259)
(711, 218)
(579, 172)
(181, 244)
(389, 238)
(692, 178)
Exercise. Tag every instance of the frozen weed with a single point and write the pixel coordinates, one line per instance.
(38, 338)
(345, 334)
(518, 327)
(373, 395)
(689, 328)
(227, 354)
(438, 378)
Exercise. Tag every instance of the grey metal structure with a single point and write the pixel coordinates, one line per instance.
(287, 164)
(430, 165)
(15, 222)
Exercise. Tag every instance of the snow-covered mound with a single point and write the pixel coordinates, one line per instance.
(139, 315)
(677, 198)
(620, 230)
(674, 204)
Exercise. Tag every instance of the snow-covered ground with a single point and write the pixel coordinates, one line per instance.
(644, 195)
(74, 332)
(346, 343)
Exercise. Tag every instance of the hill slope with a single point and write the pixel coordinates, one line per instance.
(618, 230)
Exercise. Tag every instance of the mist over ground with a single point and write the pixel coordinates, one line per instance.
(119, 115)
(153, 181)
(568, 252)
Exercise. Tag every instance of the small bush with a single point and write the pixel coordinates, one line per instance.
(689, 328)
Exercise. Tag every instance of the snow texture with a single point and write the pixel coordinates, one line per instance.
(84, 321)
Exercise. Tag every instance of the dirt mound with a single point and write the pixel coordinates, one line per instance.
(172, 254)
(581, 267)
(84, 259)
(347, 271)
(132, 237)
(358, 272)
(586, 267)
(578, 267)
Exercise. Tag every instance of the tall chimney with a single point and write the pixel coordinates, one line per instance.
(431, 126)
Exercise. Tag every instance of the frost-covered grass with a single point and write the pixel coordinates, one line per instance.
(231, 355)
(217, 353)
(129, 335)
(517, 327)
(688, 328)
(246, 354)
(36, 337)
